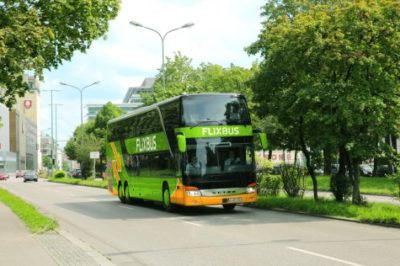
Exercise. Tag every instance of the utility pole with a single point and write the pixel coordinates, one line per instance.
(56, 126)
(52, 123)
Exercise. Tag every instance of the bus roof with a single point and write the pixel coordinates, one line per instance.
(155, 105)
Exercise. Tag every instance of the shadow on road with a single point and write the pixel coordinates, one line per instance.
(215, 215)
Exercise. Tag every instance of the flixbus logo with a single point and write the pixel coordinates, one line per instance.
(220, 131)
(146, 144)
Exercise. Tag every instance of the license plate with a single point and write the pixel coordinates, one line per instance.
(232, 200)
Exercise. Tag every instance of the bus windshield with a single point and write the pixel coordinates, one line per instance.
(216, 156)
(220, 109)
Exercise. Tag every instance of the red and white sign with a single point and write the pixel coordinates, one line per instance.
(27, 104)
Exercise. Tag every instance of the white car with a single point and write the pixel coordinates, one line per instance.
(30, 176)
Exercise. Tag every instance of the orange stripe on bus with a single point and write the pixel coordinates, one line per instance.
(116, 156)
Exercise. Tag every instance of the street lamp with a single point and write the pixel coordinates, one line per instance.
(162, 37)
(52, 121)
(81, 92)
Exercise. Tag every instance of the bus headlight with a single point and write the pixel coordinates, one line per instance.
(251, 188)
(193, 191)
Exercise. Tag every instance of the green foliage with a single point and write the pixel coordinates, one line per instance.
(81, 144)
(34, 220)
(329, 71)
(269, 185)
(396, 180)
(38, 35)
(91, 136)
(340, 186)
(263, 165)
(377, 213)
(384, 186)
(293, 179)
(47, 162)
(80, 182)
(60, 174)
(181, 78)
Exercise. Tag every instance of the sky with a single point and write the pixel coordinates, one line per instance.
(128, 54)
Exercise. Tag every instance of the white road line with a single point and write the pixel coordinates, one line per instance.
(324, 256)
(126, 207)
(195, 224)
(91, 199)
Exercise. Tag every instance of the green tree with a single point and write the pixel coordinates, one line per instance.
(181, 77)
(108, 112)
(91, 136)
(47, 162)
(40, 34)
(81, 144)
(330, 75)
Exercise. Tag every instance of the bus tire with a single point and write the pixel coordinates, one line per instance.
(229, 207)
(121, 193)
(166, 199)
(128, 198)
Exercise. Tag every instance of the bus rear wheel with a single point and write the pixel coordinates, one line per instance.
(121, 194)
(229, 207)
(166, 199)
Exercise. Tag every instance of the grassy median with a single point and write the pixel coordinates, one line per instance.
(80, 182)
(34, 220)
(375, 213)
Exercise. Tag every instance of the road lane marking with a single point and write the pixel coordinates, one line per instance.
(324, 256)
(195, 224)
(126, 207)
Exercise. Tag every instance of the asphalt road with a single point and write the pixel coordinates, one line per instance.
(146, 235)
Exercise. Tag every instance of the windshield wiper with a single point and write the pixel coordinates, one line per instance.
(219, 122)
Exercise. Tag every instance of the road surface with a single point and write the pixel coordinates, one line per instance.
(146, 235)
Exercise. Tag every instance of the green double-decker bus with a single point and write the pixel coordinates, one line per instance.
(190, 150)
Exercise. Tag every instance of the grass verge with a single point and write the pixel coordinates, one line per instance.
(34, 220)
(375, 213)
(385, 186)
(80, 182)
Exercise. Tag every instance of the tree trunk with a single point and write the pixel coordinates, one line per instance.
(270, 154)
(327, 160)
(306, 153)
(356, 182)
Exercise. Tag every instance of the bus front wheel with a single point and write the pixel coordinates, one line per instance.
(229, 207)
(121, 194)
(166, 199)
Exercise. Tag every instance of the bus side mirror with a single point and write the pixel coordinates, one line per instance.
(264, 142)
(181, 143)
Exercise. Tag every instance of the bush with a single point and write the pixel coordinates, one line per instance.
(340, 186)
(60, 174)
(293, 179)
(268, 185)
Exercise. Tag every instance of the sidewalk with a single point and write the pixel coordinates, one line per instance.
(20, 247)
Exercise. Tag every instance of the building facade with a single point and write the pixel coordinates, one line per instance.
(19, 131)
(8, 159)
(133, 94)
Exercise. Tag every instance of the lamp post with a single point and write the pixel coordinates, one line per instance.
(162, 37)
(81, 92)
(52, 123)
